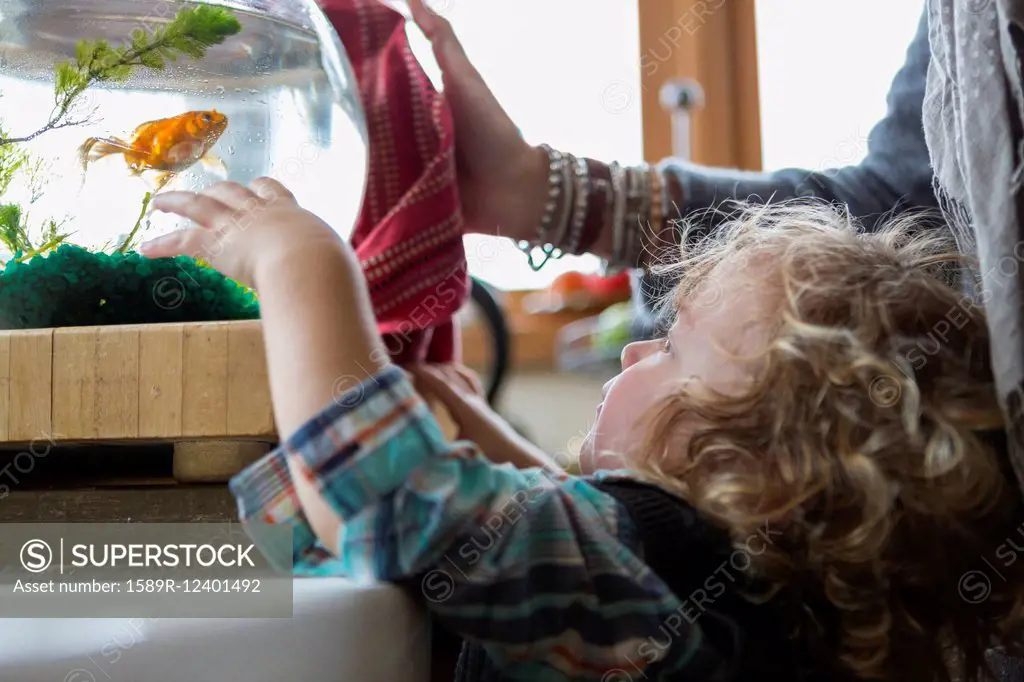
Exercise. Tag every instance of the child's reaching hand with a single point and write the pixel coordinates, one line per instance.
(318, 324)
(242, 230)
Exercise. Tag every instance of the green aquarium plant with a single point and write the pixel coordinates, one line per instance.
(190, 33)
(55, 283)
(13, 218)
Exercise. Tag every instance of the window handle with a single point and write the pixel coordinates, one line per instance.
(680, 96)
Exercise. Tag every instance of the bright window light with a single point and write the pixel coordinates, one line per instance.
(825, 67)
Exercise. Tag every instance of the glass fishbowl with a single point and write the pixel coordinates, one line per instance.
(273, 96)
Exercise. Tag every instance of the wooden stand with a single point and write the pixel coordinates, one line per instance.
(147, 382)
(140, 422)
(198, 388)
(211, 461)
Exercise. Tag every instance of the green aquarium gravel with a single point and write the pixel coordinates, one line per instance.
(72, 286)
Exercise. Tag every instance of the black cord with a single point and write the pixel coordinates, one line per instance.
(494, 316)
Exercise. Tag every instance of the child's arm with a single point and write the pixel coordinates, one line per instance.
(318, 329)
(529, 563)
(319, 332)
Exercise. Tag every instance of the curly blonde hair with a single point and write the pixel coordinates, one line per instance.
(865, 437)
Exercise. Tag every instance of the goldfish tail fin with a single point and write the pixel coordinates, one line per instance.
(83, 156)
(85, 149)
(96, 148)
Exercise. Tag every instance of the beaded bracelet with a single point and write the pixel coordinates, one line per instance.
(618, 211)
(599, 207)
(568, 203)
(583, 201)
(632, 219)
(643, 214)
(625, 225)
(640, 222)
(582, 190)
(556, 188)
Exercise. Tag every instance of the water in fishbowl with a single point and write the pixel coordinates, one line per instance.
(278, 98)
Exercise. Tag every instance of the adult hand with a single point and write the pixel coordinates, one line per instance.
(503, 181)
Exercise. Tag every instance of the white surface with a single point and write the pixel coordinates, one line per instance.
(339, 632)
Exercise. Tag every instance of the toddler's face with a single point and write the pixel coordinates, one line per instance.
(720, 320)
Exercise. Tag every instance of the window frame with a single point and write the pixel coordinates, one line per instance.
(715, 43)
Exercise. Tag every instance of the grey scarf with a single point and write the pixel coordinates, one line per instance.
(973, 123)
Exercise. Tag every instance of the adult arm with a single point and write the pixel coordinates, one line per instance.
(503, 180)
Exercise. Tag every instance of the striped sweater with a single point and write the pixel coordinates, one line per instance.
(538, 567)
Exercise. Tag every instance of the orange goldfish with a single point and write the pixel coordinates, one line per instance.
(168, 145)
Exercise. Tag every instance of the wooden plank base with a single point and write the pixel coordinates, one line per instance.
(44, 466)
(213, 461)
(143, 504)
(119, 423)
(185, 381)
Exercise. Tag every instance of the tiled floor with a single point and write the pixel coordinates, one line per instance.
(555, 410)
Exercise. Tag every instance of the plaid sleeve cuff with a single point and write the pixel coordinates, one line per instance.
(361, 450)
(266, 502)
(363, 417)
(266, 496)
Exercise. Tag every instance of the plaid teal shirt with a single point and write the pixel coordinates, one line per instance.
(537, 566)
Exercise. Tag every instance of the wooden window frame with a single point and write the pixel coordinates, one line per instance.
(715, 43)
